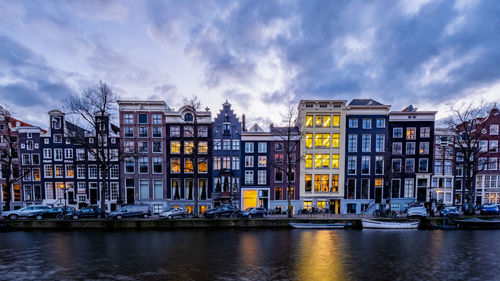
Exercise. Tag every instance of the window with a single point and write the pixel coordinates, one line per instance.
(248, 177)
(175, 165)
(325, 160)
(335, 161)
(80, 171)
(58, 155)
(410, 148)
(483, 145)
(156, 132)
(175, 147)
(493, 163)
(202, 166)
(279, 146)
(327, 121)
(143, 147)
(423, 165)
(379, 165)
(366, 143)
(262, 161)
(351, 165)
(380, 143)
(227, 128)
(318, 161)
(157, 188)
(157, 165)
(309, 121)
(203, 147)
(128, 118)
(308, 160)
(217, 145)
(409, 165)
(493, 146)
(236, 145)
(411, 133)
(438, 167)
(93, 171)
(380, 123)
(408, 191)
(494, 129)
(202, 131)
(143, 132)
(188, 117)
(70, 171)
(278, 175)
(226, 162)
(175, 131)
(249, 147)
(335, 183)
(319, 121)
(424, 148)
(157, 147)
(235, 163)
(397, 133)
(249, 161)
(143, 165)
(365, 165)
(217, 163)
(365, 188)
(143, 118)
(261, 177)
(367, 123)
(396, 165)
(49, 190)
(59, 171)
(353, 122)
(277, 193)
(35, 159)
(335, 140)
(397, 148)
(188, 131)
(156, 118)
(352, 143)
(226, 145)
(447, 167)
(188, 166)
(128, 132)
(425, 132)
(25, 159)
(262, 147)
(68, 153)
(308, 183)
(144, 189)
(309, 140)
(57, 138)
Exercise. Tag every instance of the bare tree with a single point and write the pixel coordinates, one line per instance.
(466, 124)
(94, 106)
(193, 106)
(289, 135)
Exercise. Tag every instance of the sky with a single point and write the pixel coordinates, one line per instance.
(259, 55)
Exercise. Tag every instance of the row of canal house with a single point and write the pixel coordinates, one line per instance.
(352, 158)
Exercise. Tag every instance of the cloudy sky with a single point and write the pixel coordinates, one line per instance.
(260, 55)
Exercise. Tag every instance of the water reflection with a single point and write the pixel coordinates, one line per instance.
(319, 256)
(250, 255)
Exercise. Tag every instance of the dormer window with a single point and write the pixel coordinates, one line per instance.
(56, 122)
(188, 117)
(227, 129)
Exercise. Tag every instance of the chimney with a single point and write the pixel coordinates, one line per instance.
(243, 123)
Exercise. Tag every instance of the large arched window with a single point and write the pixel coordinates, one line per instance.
(188, 117)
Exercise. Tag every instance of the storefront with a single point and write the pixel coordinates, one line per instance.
(255, 197)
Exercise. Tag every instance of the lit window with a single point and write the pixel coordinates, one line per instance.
(318, 161)
(335, 140)
(309, 140)
(326, 121)
(308, 160)
(336, 121)
(309, 121)
(411, 133)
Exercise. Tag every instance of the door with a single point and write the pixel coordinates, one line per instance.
(378, 195)
(93, 196)
(421, 194)
(71, 197)
(130, 196)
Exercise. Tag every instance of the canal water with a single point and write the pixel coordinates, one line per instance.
(250, 255)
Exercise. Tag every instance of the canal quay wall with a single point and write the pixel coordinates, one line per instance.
(429, 223)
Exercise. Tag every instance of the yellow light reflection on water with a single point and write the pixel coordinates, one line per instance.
(320, 256)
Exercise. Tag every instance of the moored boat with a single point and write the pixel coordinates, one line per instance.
(316, 225)
(389, 224)
(476, 223)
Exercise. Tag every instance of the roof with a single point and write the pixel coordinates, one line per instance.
(364, 102)
(14, 123)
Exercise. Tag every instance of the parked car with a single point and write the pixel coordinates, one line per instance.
(417, 211)
(85, 212)
(174, 213)
(55, 212)
(450, 211)
(129, 211)
(489, 209)
(23, 212)
(258, 212)
(222, 211)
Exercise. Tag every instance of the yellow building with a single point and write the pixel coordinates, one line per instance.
(322, 124)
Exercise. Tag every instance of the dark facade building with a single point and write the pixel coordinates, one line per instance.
(255, 167)
(366, 156)
(411, 135)
(280, 138)
(226, 150)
